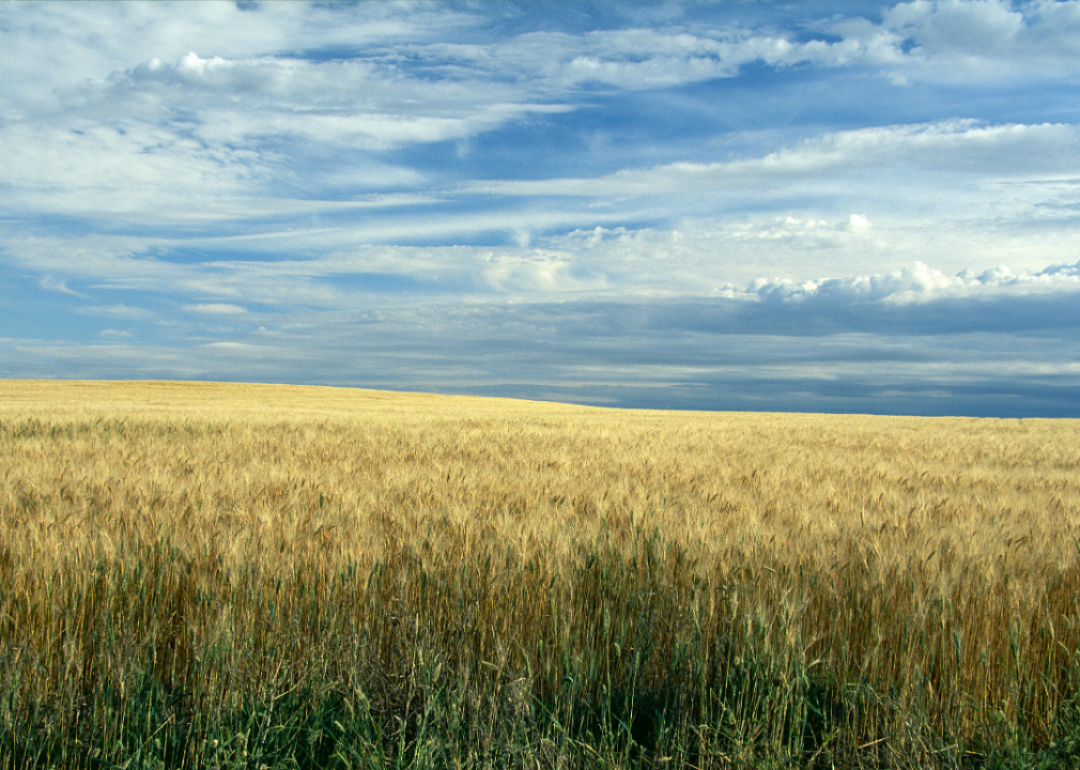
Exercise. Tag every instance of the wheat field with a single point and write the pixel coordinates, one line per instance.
(222, 575)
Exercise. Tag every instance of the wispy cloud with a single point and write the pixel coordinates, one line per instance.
(51, 284)
(960, 147)
(215, 308)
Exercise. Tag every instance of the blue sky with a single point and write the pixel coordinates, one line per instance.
(827, 206)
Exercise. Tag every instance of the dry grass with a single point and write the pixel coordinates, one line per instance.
(579, 586)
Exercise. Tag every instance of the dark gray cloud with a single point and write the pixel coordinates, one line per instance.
(990, 344)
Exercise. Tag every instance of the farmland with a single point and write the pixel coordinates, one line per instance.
(224, 576)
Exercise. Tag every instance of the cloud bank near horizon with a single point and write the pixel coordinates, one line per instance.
(845, 207)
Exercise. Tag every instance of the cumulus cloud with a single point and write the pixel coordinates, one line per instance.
(537, 271)
(975, 27)
(989, 38)
(921, 284)
(917, 300)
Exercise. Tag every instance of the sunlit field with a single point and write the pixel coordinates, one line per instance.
(244, 576)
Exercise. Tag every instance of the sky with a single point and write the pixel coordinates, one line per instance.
(844, 206)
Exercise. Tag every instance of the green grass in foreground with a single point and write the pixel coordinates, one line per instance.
(630, 658)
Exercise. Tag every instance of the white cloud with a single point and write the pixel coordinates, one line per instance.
(536, 271)
(50, 283)
(954, 146)
(102, 37)
(920, 284)
(372, 103)
(219, 129)
(701, 256)
(90, 167)
(550, 63)
(989, 38)
(121, 312)
(215, 308)
(929, 189)
(976, 27)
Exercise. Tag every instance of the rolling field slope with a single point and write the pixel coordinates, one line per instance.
(216, 575)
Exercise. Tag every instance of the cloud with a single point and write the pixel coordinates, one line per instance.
(954, 191)
(973, 27)
(918, 300)
(373, 103)
(536, 271)
(215, 122)
(215, 308)
(922, 284)
(645, 58)
(217, 130)
(553, 63)
(98, 38)
(121, 312)
(989, 38)
(950, 146)
(915, 340)
(51, 284)
(578, 203)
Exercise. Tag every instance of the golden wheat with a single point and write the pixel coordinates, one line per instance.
(932, 559)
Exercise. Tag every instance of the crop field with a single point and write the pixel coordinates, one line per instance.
(244, 576)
